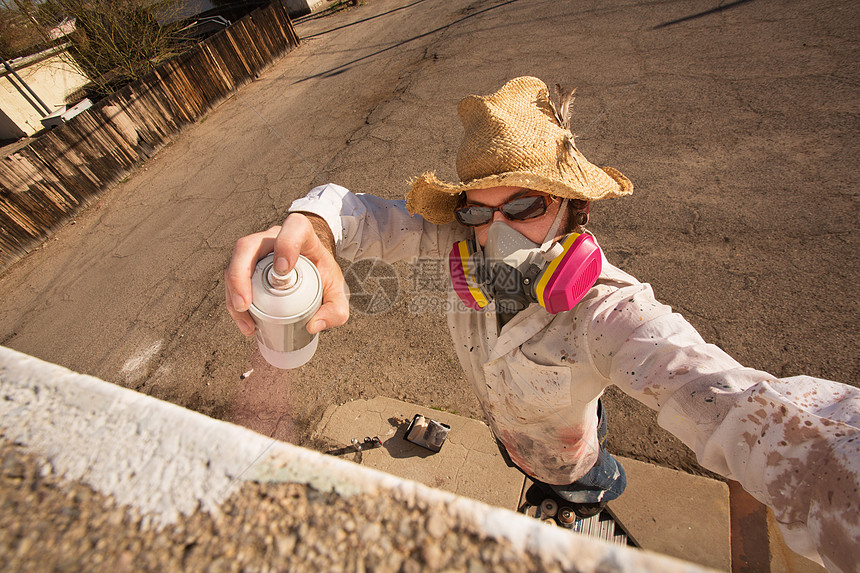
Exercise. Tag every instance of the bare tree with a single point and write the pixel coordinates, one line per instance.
(17, 33)
(115, 41)
(118, 42)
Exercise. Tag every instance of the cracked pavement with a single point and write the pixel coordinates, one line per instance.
(737, 123)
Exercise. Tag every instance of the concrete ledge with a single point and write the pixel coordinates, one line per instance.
(677, 514)
(164, 461)
(667, 511)
(469, 463)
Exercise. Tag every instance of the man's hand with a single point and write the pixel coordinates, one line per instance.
(297, 236)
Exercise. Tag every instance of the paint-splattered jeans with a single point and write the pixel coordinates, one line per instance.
(605, 481)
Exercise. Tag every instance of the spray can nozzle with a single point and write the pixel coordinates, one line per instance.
(282, 282)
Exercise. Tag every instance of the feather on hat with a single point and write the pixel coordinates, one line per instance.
(518, 136)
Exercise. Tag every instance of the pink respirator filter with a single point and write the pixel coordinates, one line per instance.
(571, 275)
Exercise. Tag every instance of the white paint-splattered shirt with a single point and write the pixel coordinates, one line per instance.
(792, 443)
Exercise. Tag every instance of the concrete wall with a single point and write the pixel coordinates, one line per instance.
(165, 463)
(43, 185)
(50, 75)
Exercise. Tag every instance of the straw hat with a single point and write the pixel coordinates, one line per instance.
(518, 136)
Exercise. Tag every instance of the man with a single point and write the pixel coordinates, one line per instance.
(542, 324)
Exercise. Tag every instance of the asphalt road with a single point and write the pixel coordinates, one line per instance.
(737, 122)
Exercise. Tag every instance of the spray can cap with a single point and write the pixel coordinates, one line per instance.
(282, 282)
(292, 297)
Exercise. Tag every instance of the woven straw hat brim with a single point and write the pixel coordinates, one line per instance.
(436, 200)
(518, 136)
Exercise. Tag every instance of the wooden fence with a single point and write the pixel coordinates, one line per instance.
(46, 183)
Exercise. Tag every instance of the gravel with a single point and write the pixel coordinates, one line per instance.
(51, 524)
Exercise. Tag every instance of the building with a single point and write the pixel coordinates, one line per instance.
(34, 87)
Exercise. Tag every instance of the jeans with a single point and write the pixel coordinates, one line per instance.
(605, 481)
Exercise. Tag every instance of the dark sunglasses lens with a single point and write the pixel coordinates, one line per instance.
(525, 208)
(473, 215)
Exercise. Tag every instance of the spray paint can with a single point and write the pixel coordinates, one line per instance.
(566, 517)
(281, 308)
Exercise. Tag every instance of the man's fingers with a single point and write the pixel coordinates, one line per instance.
(246, 253)
(242, 319)
(293, 240)
(237, 277)
(297, 236)
(335, 308)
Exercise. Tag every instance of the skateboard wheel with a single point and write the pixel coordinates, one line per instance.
(548, 508)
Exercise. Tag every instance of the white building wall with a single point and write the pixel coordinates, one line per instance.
(300, 7)
(50, 75)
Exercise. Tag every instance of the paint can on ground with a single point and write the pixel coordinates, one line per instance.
(281, 308)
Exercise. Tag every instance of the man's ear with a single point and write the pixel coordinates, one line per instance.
(578, 210)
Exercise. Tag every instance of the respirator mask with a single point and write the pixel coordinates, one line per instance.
(515, 271)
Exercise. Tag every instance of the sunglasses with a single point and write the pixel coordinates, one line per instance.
(519, 209)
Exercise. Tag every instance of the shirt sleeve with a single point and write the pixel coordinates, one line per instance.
(366, 226)
(793, 443)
